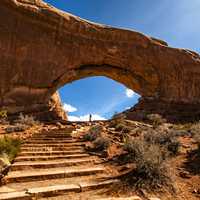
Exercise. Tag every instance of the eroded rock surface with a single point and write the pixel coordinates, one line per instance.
(42, 49)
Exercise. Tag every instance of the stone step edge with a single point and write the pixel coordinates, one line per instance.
(45, 175)
(38, 149)
(49, 142)
(50, 157)
(50, 151)
(35, 164)
(25, 145)
(55, 190)
(52, 136)
(121, 198)
(22, 153)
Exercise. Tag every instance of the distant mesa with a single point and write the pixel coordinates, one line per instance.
(42, 49)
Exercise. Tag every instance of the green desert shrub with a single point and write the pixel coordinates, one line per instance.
(4, 160)
(151, 170)
(9, 146)
(93, 133)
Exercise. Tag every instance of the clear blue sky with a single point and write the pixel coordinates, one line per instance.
(175, 21)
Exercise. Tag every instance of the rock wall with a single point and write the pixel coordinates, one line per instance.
(42, 49)
(173, 112)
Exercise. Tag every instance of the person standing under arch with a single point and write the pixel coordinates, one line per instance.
(90, 118)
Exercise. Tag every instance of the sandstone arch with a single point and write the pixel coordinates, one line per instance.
(42, 48)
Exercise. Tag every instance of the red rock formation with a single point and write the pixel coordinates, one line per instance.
(42, 49)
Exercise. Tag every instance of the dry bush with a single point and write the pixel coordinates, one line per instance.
(122, 127)
(195, 130)
(167, 140)
(151, 171)
(22, 123)
(16, 128)
(134, 147)
(27, 120)
(180, 133)
(156, 119)
(93, 133)
(197, 139)
(117, 119)
(151, 168)
(101, 143)
(4, 121)
(118, 122)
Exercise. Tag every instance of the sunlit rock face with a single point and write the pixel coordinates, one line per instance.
(42, 49)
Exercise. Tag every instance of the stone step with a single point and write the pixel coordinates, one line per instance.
(50, 138)
(49, 142)
(55, 133)
(51, 157)
(54, 145)
(53, 173)
(55, 190)
(50, 152)
(50, 164)
(15, 196)
(58, 148)
(58, 181)
(121, 198)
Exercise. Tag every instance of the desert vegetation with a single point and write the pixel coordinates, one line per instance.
(152, 170)
(99, 142)
(167, 140)
(118, 122)
(150, 148)
(155, 119)
(198, 142)
(195, 130)
(160, 155)
(93, 133)
(23, 123)
(9, 147)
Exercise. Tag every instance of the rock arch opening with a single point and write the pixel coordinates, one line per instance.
(99, 96)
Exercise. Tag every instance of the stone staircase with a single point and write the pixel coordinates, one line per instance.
(56, 166)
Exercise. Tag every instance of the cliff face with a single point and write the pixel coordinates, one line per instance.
(42, 49)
